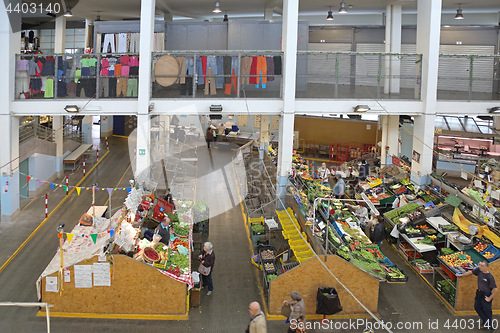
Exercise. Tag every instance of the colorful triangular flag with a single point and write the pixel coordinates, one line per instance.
(28, 178)
(39, 183)
(109, 190)
(94, 237)
(129, 189)
(78, 190)
(69, 237)
(52, 186)
(111, 232)
(65, 188)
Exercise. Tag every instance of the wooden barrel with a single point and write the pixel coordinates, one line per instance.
(166, 66)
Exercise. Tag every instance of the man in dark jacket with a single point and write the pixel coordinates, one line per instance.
(378, 233)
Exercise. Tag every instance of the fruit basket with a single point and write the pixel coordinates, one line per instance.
(150, 255)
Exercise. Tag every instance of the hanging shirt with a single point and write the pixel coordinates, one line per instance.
(22, 65)
(88, 62)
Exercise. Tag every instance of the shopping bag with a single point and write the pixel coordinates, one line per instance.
(285, 310)
(327, 301)
(204, 270)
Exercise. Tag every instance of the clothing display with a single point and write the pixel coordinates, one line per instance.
(126, 42)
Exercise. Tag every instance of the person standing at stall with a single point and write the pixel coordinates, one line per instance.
(210, 136)
(339, 187)
(163, 230)
(486, 290)
(258, 320)
(324, 174)
(378, 233)
(361, 213)
(207, 258)
(297, 314)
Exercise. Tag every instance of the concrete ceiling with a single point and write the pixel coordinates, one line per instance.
(112, 10)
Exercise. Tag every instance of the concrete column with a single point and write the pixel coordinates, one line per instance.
(393, 136)
(264, 135)
(106, 126)
(290, 30)
(428, 35)
(57, 122)
(87, 129)
(392, 45)
(143, 159)
(268, 14)
(88, 33)
(60, 34)
(10, 39)
(384, 121)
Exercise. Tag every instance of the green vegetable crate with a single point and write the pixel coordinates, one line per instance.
(402, 277)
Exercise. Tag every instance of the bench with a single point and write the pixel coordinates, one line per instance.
(76, 155)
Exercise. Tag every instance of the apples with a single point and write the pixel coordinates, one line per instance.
(480, 247)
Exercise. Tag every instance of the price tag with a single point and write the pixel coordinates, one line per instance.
(67, 275)
(321, 225)
(102, 257)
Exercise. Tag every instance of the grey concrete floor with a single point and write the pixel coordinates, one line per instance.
(235, 279)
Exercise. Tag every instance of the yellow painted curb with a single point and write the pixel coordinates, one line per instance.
(113, 316)
(48, 217)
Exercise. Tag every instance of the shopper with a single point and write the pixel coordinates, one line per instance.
(361, 212)
(378, 233)
(339, 187)
(258, 321)
(220, 131)
(323, 174)
(210, 136)
(298, 313)
(364, 171)
(486, 290)
(371, 225)
(169, 198)
(207, 258)
(176, 132)
(163, 229)
(181, 135)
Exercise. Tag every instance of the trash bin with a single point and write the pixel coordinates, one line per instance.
(327, 301)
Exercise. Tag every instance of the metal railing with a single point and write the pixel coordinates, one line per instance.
(69, 132)
(468, 77)
(29, 130)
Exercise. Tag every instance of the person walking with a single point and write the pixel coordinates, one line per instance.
(181, 135)
(364, 171)
(297, 314)
(207, 258)
(486, 290)
(258, 321)
(210, 136)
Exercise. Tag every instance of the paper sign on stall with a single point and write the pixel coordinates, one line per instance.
(102, 276)
(478, 183)
(83, 276)
(51, 284)
(463, 174)
(67, 275)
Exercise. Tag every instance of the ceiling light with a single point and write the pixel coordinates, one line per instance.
(225, 18)
(71, 108)
(216, 108)
(459, 15)
(329, 17)
(495, 109)
(68, 12)
(447, 26)
(361, 108)
(342, 8)
(217, 7)
(98, 18)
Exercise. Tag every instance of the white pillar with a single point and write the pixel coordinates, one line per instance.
(10, 39)
(57, 122)
(264, 135)
(268, 14)
(428, 35)
(144, 91)
(393, 136)
(88, 33)
(87, 129)
(384, 121)
(106, 126)
(393, 45)
(290, 31)
(60, 34)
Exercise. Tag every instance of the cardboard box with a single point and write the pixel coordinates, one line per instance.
(194, 298)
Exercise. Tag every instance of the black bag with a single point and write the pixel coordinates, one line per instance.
(327, 301)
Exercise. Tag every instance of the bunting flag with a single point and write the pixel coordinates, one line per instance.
(65, 188)
(94, 237)
(109, 190)
(111, 232)
(69, 237)
(78, 190)
(39, 183)
(128, 189)
(52, 186)
(28, 178)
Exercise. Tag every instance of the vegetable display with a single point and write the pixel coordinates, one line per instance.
(200, 206)
(269, 267)
(258, 228)
(271, 276)
(177, 242)
(459, 261)
(267, 255)
(178, 260)
(182, 231)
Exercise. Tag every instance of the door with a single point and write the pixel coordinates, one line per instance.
(24, 192)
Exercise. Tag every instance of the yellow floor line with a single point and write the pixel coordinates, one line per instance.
(114, 316)
(119, 181)
(29, 203)
(120, 136)
(48, 217)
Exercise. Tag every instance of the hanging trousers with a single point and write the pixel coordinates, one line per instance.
(109, 41)
(261, 71)
(210, 82)
(246, 63)
(234, 77)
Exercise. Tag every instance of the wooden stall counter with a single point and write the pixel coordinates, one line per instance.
(310, 275)
(136, 291)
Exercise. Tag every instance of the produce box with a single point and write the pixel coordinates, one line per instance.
(425, 268)
(269, 254)
(491, 253)
(386, 262)
(402, 277)
(269, 268)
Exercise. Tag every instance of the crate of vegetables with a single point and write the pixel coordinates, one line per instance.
(267, 254)
(395, 274)
(269, 268)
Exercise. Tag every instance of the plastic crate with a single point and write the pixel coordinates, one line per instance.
(393, 279)
(263, 248)
(269, 271)
(493, 250)
(256, 220)
(386, 262)
(423, 270)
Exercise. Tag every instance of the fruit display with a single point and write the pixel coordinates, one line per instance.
(480, 247)
(174, 270)
(151, 255)
(267, 255)
(459, 261)
(488, 255)
(376, 253)
(177, 242)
